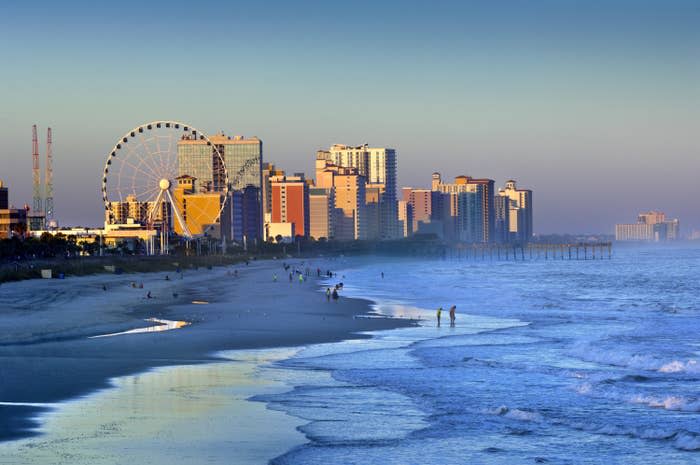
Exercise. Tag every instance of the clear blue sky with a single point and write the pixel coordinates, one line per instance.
(595, 105)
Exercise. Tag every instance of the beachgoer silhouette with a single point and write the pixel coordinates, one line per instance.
(301, 278)
(439, 314)
(290, 277)
(382, 275)
(328, 294)
(452, 315)
(167, 278)
(148, 296)
(274, 277)
(104, 288)
(335, 294)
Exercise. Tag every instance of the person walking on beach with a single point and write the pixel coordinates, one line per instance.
(453, 309)
(290, 277)
(335, 295)
(301, 278)
(328, 294)
(274, 277)
(439, 314)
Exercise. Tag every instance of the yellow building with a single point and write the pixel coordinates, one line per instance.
(197, 210)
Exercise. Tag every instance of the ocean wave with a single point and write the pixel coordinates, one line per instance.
(616, 358)
(516, 414)
(687, 441)
(668, 402)
(676, 366)
(643, 362)
(677, 403)
(680, 439)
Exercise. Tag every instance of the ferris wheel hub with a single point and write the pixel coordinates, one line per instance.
(164, 184)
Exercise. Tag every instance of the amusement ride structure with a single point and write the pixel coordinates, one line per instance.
(143, 172)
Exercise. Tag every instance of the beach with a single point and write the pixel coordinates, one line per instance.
(48, 328)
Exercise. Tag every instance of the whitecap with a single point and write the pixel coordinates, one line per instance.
(676, 366)
(687, 441)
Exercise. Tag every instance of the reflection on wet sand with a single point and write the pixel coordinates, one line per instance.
(163, 325)
(172, 415)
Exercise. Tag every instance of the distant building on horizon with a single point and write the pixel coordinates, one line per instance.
(650, 226)
(479, 187)
(520, 227)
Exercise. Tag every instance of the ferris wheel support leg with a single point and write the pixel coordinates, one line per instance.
(185, 230)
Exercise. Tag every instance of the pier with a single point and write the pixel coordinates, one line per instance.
(531, 251)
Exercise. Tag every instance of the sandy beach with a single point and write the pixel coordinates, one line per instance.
(50, 353)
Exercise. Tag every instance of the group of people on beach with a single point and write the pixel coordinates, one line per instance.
(453, 310)
(333, 294)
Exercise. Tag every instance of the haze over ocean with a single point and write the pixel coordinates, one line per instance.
(592, 102)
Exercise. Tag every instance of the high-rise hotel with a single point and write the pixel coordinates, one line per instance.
(468, 210)
(377, 165)
(243, 165)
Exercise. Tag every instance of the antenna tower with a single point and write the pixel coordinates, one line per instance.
(48, 179)
(35, 171)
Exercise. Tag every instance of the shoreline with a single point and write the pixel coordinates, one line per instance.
(248, 312)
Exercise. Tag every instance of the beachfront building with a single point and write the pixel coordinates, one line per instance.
(321, 212)
(468, 219)
(456, 219)
(243, 164)
(501, 215)
(373, 211)
(650, 226)
(290, 202)
(13, 221)
(268, 171)
(349, 198)
(131, 209)
(519, 211)
(405, 218)
(378, 166)
(198, 209)
(427, 207)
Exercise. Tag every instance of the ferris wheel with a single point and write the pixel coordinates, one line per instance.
(166, 175)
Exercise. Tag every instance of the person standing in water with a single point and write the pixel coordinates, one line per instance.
(439, 314)
(453, 309)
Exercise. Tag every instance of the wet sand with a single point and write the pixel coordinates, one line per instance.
(48, 352)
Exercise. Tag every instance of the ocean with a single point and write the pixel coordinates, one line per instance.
(550, 361)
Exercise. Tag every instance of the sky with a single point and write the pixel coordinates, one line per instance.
(594, 105)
